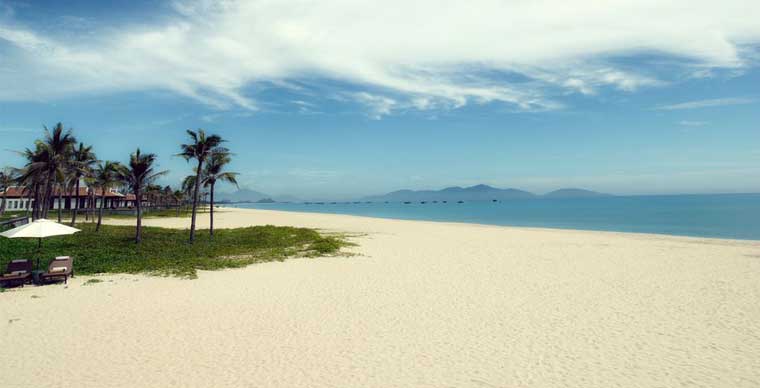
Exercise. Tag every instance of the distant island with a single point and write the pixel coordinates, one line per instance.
(252, 196)
(478, 193)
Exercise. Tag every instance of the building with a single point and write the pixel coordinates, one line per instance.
(17, 199)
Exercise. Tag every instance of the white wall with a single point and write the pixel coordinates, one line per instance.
(14, 204)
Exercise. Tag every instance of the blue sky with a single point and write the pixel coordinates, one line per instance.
(337, 99)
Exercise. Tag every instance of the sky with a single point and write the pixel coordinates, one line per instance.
(338, 99)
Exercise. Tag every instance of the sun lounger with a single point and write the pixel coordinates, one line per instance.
(18, 272)
(60, 268)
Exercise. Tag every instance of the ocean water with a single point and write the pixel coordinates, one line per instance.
(735, 216)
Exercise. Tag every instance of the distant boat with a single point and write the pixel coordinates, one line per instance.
(319, 203)
(368, 202)
(333, 203)
(445, 201)
(406, 202)
(307, 203)
(423, 202)
(460, 201)
(495, 200)
(356, 203)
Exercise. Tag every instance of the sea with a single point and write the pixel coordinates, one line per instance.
(732, 216)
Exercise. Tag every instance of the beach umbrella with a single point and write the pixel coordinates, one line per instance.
(39, 229)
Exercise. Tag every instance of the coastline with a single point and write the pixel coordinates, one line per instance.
(705, 216)
(422, 303)
(275, 212)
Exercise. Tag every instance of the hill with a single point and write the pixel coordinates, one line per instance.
(248, 195)
(456, 193)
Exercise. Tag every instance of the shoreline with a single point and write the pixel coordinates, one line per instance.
(421, 303)
(572, 228)
(516, 227)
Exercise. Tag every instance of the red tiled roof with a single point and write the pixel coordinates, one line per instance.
(18, 192)
(15, 192)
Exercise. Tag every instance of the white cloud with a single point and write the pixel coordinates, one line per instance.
(313, 174)
(421, 54)
(692, 123)
(707, 103)
(17, 130)
(379, 105)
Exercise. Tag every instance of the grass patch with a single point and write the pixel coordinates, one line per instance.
(153, 213)
(166, 251)
(9, 215)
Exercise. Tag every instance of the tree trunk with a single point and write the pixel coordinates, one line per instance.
(28, 200)
(91, 197)
(75, 210)
(60, 201)
(87, 206)
(195, 200)
(2, 204)
(48, 193)
(211, 212)
(138, 229)
(45, 202)
(102, 206)
(36, 208)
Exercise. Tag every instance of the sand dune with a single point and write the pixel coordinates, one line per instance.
(423, 305)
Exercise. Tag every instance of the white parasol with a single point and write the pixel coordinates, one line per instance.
(39, 229)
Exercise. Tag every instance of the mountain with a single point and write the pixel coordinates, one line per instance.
(248, 195)
(286, 198)
(456, 193)
(574, 193)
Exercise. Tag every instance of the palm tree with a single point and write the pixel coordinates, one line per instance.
(179, 198)
(213, 173)
(168, 196)
(57, 146)
(152, 193)
(199, 149)
(137, 175)
(7, 179)
(106, 175)
(83, 160)
(34, 175)
(63, 182)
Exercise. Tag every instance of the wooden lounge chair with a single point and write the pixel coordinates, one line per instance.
(18, 272)
(60, 268)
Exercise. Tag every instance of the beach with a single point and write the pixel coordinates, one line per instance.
(416, 304)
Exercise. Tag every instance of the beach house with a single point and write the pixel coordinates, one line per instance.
(18, 198)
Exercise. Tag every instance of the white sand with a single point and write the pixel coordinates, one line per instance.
(425, 305)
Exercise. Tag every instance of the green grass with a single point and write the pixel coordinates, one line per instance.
(155, 213)
(8, 215)
(167, 252)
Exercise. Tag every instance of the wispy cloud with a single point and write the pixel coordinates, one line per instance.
(313, 174)
(379, 106)
(690, 123)
(707, 103)
(17, 130)
(434, 55)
